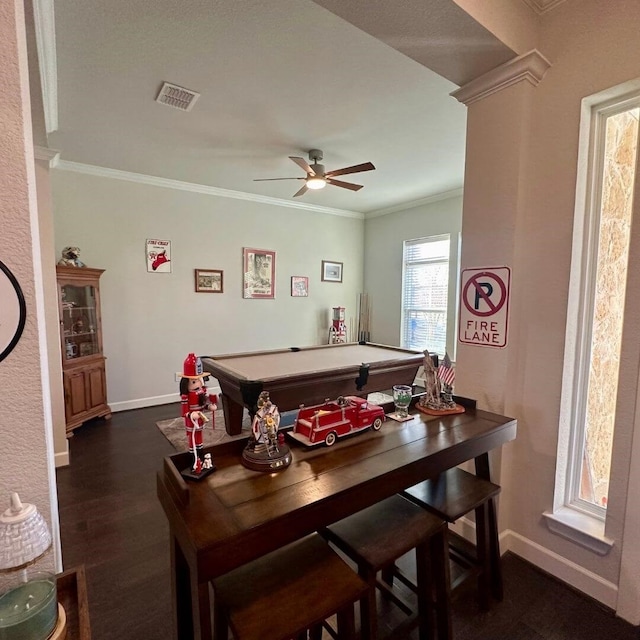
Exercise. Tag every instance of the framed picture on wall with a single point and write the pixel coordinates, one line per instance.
(331, 271)
(259, 269)
(299, 286)
(158, 256)
(209, 281)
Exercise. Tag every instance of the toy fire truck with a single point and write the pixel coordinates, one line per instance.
(325, 423)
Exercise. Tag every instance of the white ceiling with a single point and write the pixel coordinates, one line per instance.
(276, 79)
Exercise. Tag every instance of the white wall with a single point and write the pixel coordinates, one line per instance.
(151, 321)
(384, 237)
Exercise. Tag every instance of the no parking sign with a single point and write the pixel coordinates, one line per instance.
(484, 306)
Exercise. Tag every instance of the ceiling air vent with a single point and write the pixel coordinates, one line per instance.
(177, 97)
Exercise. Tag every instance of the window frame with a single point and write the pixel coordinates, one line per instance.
(573, 517)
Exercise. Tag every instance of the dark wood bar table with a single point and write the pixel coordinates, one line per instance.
(236, 515)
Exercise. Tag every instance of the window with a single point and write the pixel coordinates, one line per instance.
(425, 292)
(589, 486)
(596, 314)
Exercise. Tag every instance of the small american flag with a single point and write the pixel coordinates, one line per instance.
(446, 372)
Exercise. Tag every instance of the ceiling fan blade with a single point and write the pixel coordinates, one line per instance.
(269, 179)
(303, 164)
(357, 168)
(302, 191)
(344, 185)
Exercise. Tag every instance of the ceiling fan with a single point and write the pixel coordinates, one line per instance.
(318, 178)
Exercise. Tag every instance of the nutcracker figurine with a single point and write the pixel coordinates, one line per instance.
(194, 400)
(338, 331)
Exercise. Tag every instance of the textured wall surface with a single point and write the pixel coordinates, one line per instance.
(23, 450)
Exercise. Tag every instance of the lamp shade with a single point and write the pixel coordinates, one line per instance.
(24, 535)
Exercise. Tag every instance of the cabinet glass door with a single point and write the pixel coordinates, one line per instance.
(79, 321)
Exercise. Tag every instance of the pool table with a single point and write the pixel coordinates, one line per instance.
(307, 375)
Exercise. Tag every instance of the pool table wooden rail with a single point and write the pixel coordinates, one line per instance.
(321, 379)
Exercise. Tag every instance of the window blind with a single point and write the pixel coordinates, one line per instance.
(424, 294)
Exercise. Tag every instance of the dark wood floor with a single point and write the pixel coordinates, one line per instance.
(111, 522)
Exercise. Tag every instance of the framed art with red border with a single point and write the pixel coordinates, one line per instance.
(299, 286)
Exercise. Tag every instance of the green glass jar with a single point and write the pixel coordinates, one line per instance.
(29, 610)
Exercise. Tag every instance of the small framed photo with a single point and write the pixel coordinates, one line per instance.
(209, 281)
(299, 286)
(331, 271)
(259, 266)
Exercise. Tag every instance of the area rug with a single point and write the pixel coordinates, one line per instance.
(173, 430)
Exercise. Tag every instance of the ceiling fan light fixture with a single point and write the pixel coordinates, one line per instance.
(316, 182)
(316, 176)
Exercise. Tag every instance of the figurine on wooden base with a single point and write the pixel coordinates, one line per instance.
(195, 399)
(438, 383)
(266, 449)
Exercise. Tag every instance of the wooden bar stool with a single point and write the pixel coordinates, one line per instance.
(375, 538)
(283, 594)
(452, 495)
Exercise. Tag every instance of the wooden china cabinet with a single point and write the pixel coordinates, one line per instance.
(83, 363)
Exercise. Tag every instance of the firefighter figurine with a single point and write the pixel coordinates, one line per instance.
(338, 331)
(266, 449)
(195, 399)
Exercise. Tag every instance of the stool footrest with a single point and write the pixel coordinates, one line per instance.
(388, 592)
(406, 581)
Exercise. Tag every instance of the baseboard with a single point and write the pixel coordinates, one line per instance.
(62, 459)
(569, 572)
(141, 403)
(573, 574)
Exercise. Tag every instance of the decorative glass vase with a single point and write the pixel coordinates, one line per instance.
(402, 399)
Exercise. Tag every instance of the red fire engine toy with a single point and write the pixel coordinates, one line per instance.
(324, 423)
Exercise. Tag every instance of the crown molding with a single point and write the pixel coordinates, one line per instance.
(45, 27)
(179, 185)
(542, 6)
(445, 195)
(52, 156)
(530, 66)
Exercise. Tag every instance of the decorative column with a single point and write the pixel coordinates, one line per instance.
(498, 126)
